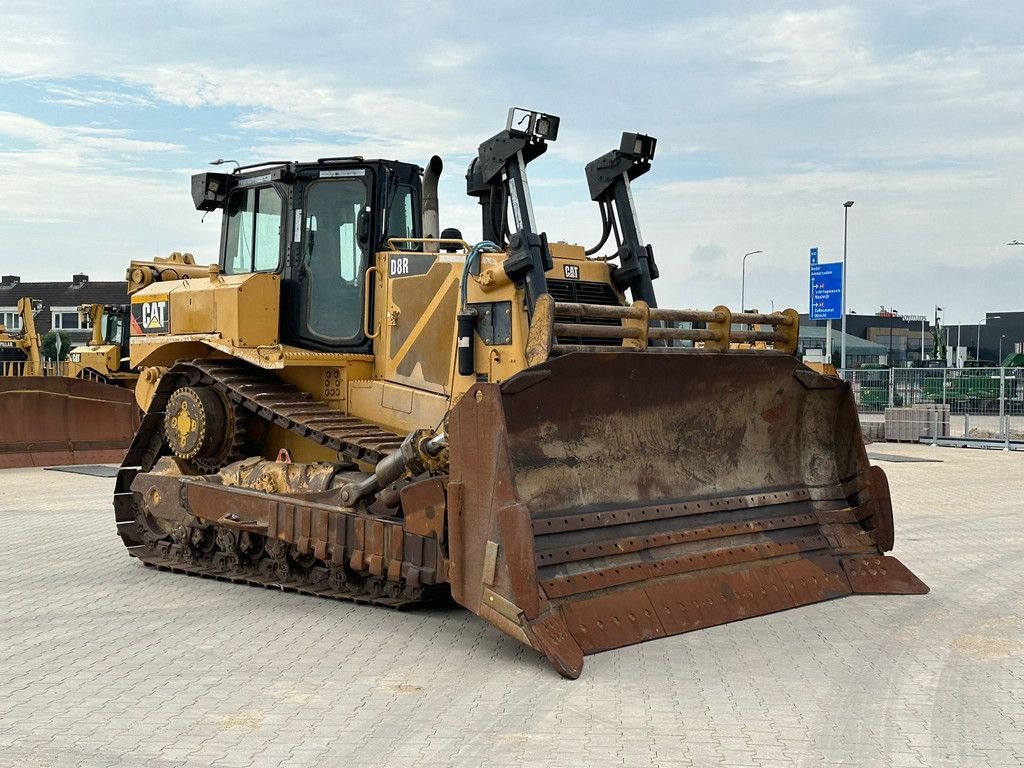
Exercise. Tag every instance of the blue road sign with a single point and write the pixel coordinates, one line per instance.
(826, 290)
(814, 255)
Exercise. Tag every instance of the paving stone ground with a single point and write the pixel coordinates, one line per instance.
(104, 662)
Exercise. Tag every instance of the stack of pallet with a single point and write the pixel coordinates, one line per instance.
(919, 421)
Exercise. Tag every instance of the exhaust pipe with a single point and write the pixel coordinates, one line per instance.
(431, 219)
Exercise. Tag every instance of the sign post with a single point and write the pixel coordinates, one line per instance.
(826, 291)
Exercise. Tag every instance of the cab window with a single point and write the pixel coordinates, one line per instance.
(402, 215)
(113, 327)
(334, 261)
(254, 231)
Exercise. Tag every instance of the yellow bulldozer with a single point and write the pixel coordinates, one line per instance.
(105, 358)
(53, 412)
(354, 404)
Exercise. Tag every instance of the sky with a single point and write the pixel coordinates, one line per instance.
(768, 117)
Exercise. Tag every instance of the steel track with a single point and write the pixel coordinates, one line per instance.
(288, 407)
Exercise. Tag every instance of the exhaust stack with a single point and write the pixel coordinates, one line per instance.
(431, 218)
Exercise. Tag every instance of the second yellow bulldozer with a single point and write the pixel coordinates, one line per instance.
(57, 412)
(105, 358)
(351, 403)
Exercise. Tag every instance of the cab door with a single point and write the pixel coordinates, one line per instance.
(333, 261)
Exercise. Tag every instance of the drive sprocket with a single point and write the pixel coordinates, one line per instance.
(202, 428)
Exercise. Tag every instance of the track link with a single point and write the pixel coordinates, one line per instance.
(288, 407)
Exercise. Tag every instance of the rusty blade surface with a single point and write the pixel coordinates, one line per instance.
(48, 420)
(618, 429)
(664, 493)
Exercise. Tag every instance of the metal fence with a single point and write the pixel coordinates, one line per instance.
(965, 390)
(48, 368)
(979, 403)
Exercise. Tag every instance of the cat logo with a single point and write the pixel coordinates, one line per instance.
(572, 271)
(150, 315)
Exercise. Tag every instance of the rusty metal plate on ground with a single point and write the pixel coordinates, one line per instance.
(91, 470)
(901, 459)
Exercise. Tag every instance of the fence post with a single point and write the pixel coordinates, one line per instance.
(945, 372)
(1004, 419)
(892, 386)
(935, 428)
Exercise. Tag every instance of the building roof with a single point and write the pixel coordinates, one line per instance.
(812, 335)
(78, 290)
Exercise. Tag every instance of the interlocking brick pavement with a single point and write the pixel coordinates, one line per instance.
(107, 663)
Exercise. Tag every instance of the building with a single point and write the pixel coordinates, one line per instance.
(905, 340)
(858, 351)
(908, 339)
(60, 302)
(1000, 334)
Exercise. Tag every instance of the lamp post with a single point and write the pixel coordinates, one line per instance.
(743, 281)
(922, 338)
(842, 341)
(1001, 349)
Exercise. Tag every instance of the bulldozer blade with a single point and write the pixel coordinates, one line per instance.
(53, 420)
(599, 500)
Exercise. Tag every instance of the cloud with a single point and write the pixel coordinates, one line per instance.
(282, 101)
(73, 145)
(77, 97)
(766, 118)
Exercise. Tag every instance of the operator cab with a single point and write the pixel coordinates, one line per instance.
(116, 328)
(317, 225)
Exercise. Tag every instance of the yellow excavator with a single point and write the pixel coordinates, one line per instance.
(50, 417)
(351, 403)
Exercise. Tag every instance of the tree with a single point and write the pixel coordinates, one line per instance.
(49, 346)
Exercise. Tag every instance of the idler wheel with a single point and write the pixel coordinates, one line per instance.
(196, 422)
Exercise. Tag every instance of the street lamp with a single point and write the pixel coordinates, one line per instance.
(743, 280)
(1001, 349)
(977, 344)
(842, 347)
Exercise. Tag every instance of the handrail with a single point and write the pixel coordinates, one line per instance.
(439, 240)
(47, 368)
(639, 325)
(366, 304)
